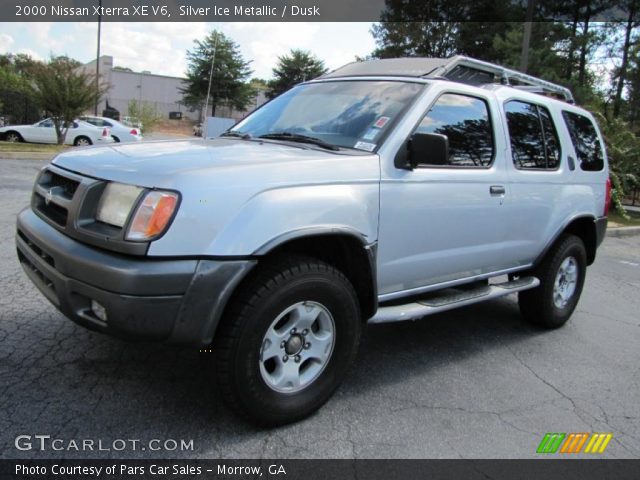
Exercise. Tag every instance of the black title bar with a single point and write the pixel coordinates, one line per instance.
(301, 11)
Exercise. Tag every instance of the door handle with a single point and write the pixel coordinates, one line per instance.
(497, 190)
(572, 163)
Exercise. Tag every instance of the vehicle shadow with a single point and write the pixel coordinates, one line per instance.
(100, 387)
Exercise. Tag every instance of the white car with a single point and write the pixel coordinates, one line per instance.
(119, 131)
(80, 133)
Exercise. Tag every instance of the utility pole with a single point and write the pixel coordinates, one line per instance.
(526, 38)
(98, 58)
(206, 105)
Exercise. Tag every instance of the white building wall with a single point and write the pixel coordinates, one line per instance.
(161, 91)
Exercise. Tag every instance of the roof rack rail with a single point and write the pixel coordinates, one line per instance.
(470, 70)
(458, 69)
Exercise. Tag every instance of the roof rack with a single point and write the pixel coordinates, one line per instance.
(461, 68)
(458, 69)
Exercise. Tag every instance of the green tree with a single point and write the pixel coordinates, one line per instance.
(219, 58)
(65, 91)
(17, 102)
(633, 79)
(441, 28)
(293, 68)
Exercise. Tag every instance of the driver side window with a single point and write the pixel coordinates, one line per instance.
(464, 120)
(46, 124)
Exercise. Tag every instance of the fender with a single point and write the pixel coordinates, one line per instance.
(563, 228)
(275, 216)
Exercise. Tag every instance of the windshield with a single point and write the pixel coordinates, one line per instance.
(351, 114)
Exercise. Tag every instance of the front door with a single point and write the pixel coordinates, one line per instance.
(441, 223)
(44, 132)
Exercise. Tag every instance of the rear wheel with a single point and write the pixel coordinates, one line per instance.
(115, 139)
(287, 340)
(561, 274)
(13, 137)
(82, 142)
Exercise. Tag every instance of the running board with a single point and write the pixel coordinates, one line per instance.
(460, 298)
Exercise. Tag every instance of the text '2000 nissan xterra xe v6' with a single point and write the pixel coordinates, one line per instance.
(386, 190)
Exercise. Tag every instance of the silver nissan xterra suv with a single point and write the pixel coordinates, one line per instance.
(386, 190)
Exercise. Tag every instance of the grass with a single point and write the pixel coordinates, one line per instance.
(31, 147)
(634, 220)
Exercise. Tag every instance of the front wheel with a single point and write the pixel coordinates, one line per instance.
(287, 340)
(13, 137)
(561, 274)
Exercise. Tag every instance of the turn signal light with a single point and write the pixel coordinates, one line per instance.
(153, 215)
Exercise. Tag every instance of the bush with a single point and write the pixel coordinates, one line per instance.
(146, 113)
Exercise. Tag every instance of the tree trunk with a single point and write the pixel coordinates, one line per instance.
(572, 44)
(625, 63)
(582, 69)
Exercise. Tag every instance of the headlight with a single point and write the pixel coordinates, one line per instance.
(153, 215)
(116, 203)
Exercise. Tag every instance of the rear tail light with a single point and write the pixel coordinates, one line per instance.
(133, 131)
(607, 198)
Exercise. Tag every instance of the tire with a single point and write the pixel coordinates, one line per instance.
(561, 273)
(280, 296)
(82, 141)
(115, 139)
(13, 137)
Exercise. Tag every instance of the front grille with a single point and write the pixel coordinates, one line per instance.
(53, 194)
(68, 201)
(66, 186)
(53, 212)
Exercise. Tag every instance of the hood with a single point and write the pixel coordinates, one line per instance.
(166, 164)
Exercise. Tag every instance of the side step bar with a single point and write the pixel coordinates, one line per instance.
(448, 301)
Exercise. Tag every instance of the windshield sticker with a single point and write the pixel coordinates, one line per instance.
(369, 147)
(370, 134)
(381, 122)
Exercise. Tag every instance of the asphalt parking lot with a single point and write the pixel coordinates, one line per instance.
(474, 383)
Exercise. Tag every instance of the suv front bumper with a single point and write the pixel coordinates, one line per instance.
(179, 301)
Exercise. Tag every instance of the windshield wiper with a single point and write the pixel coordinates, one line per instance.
(296, 137)
(233, 133)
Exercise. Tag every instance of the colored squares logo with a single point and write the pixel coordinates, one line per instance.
(598, 443)
(574, 443)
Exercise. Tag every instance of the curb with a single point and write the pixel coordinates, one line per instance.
(27, 155)
(623, 232)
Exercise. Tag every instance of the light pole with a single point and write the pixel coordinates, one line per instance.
(98, 58)
(206, 104)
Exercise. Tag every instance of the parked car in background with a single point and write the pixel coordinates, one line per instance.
(132, 122)
(120, 132)
(80, 134)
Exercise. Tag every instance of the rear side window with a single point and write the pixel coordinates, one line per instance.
(465, 122)
(534, 140)
(585, 141)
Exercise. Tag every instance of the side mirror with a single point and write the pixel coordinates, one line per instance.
(426, 149)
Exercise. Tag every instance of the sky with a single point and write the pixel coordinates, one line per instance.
(161, 47)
